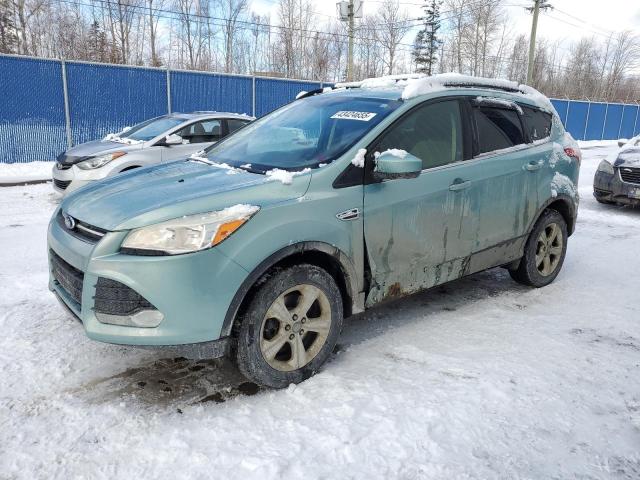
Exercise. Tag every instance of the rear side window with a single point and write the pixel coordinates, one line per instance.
(497, 128)
(536, 122)
(433, 133)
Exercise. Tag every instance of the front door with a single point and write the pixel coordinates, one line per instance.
(418, 232)
(196, 136)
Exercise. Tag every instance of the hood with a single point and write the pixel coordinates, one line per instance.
(628, 157)
(150, 195)
(91, 149)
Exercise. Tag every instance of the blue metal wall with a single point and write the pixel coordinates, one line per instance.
(32, 120)
(597, 120)
(106, 98)
(202, 91)
(272, 92)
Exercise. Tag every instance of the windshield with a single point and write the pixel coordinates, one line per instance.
(304, 133)
(151, 128)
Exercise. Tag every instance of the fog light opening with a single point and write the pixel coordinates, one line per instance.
(141, 319)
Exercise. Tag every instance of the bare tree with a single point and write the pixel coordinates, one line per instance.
(393, 25)
(8, 31)
(193, 32)
(25, 10)
(153, 16)
(231, 11)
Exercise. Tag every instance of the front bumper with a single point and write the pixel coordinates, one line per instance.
(610, 188)
(192, 291)
(68, 180)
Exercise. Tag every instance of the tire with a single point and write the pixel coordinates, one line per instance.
(548, 239)
(281, 340)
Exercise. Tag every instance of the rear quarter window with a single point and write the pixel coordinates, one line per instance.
(536, 122)
(497, 128)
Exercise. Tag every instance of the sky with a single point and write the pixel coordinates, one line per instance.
(570, 20)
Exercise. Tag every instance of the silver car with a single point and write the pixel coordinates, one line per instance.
(161, 139)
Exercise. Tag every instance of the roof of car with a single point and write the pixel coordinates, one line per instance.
(408, 86)
(211, 114)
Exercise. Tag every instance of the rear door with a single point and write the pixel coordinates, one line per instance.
(503, 169)
(418, 232)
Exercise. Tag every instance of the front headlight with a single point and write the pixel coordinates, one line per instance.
(605, 167)
(99, 161)
(191, 233)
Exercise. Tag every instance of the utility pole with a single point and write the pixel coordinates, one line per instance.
(351, 35)
(537, 5)
(348, 11)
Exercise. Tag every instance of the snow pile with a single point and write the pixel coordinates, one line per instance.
(434, 83)
(396, 152)
(25, 172)
(562, 184)
(284, 176)
(499, 102)
(388, 81)
(631, 143)
(225, 166)
(358, 160)
(302, 93)
(241, 210)
(113, 137)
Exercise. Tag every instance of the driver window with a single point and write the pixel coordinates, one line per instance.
(202, 132)
(433, 133)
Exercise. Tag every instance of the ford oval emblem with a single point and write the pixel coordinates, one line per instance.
(69, 221)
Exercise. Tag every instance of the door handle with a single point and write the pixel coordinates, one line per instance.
(456, 187)
(533, 166)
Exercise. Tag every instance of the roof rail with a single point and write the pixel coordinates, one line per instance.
(481, 85)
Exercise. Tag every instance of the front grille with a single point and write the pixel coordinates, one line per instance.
(630, 175)
(67, 277)
(82, 230)
(115, 298)
(61, 184)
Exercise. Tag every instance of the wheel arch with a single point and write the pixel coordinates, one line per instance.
(321, 254)
(564, 205)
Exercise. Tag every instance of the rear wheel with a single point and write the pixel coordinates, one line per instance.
(544, 251)
(290, 327)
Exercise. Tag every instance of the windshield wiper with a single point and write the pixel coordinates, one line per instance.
(197, 158)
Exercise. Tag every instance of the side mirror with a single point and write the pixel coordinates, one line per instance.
(621, 143)
(394, 163)
(172, 139)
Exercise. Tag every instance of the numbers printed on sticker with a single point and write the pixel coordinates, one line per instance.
(351, 115)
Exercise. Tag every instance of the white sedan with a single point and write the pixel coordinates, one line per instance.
(161, 139)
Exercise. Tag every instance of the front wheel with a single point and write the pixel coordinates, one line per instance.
(544, 251)
(290, 326)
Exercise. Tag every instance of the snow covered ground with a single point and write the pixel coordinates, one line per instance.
(14, 173)
(481, 378)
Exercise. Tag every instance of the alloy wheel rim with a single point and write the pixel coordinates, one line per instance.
(295, 327)
(549, 249)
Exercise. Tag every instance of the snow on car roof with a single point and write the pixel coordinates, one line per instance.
(207, 113)
(414, 85)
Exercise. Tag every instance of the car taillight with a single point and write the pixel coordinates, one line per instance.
(573, 153)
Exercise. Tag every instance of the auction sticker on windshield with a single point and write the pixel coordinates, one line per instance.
(350, 115)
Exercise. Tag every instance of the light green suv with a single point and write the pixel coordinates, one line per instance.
(340, 200)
